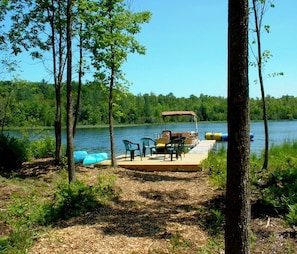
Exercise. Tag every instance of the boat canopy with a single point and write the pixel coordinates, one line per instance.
(179, 113)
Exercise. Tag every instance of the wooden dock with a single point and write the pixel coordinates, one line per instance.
(158, 162)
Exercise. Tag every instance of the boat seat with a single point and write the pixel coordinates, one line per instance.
(132, 147)
(166, 134)
(161, 144)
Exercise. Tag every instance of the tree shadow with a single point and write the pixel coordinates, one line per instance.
(38, 168)
(137, 219)
(143, 176)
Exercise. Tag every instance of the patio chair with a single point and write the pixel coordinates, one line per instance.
(131, 147)
(176, 146)
(148, 143)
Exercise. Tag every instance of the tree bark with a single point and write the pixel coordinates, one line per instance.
(70, 155)
(110, 112)
(80, 76)
(58, 67)
(110, 99)
(237, 234)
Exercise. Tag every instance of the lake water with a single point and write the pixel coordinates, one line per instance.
(97, 140)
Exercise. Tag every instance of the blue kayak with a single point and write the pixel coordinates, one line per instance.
(94, 158)
(79, 156)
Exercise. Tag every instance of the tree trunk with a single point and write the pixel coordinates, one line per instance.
(237, 234)
(111, 86)
(58, 126)
(70, 156)
(80, 75)
(58, 87)
(259, 66)
(111, 134)
(58, 74)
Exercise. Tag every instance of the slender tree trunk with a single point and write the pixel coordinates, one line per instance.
(266, 149)
(51, 11)
(237, 234)
(80, 75)
(57, 124)
(111, 134)
(70, 156)
(110, 100)
(259, 65)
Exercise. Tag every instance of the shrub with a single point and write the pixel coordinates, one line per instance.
(13, 152)
(74, 199)
(279, 182)
(216, 166)
(21, 216)
(291, 218)
(31, 209)
(42, 148)
(281, 189)
(275, 187)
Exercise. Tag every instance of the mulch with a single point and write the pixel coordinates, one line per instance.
(153, 209)
(156, 213)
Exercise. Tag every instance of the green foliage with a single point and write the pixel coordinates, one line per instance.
(214, 245)
(217, 220)
(177, 242)
(42, 148)
(13, 152)
(216, 166)
(21, 216)
(276, 186)
(76, 198)
(291, 217)
(280, 179)
(26, 109)
(23, 212)
(31, 208)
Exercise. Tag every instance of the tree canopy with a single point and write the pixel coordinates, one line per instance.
(33, 104)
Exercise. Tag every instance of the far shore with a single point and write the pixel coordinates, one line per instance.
(103, 126)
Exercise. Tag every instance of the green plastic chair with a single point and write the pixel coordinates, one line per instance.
(148, 143)
(175, 146)
(132, 147)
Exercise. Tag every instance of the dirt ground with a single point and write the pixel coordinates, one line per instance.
(157, 212)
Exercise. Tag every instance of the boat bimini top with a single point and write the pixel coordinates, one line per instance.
(181, 113)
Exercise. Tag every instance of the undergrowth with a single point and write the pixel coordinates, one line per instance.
(276, 186)
(32, 209)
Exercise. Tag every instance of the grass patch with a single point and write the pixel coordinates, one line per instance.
(216, 166)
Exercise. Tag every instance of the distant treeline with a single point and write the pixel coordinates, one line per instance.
(33, 104)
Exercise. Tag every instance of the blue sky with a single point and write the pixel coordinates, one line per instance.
(186, 43)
